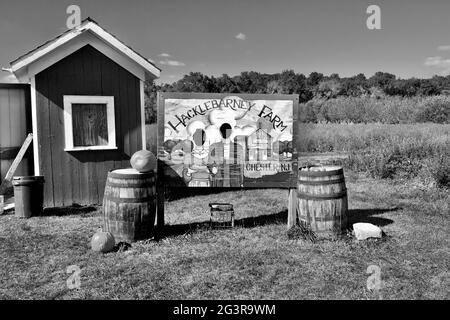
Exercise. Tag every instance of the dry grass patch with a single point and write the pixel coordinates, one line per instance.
(255, 260)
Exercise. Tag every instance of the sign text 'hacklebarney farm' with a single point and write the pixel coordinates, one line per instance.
(227, 142)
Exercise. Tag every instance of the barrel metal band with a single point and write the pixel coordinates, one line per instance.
(320, 173)
(127, 176)
(307, 196)
(318, 183)
(326, 218)
(131, 185)
(129, 200)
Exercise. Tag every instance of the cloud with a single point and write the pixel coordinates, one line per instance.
(173, 63)
(240, 36)
(164, 55)
(439, 63)
(444, 48)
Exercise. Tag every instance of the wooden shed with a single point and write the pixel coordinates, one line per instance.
(87, 107)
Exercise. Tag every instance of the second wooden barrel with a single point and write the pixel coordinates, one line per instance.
(129, 204)
(322, 199)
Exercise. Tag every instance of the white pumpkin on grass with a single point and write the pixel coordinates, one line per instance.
(102, 241)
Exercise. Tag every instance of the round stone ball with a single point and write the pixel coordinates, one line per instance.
(143, 161)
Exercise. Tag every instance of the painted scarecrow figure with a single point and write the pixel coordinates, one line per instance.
(226, 159)
(196, 171)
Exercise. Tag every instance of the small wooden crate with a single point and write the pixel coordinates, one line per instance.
(222, 215)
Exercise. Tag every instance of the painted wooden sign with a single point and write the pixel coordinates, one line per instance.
(227, 140)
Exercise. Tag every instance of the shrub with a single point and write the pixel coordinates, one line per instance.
(382, 151)
(440, 170)
(437, 111)
(368, 109)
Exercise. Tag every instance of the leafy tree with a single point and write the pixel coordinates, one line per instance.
(314, 79)
(329, 88)
(316, 85)
(381, 80)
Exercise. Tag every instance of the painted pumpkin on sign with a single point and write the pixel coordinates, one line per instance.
(143, 161)
(102, 241)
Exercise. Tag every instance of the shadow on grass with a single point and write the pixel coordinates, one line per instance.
(354, 215)
(249, 222)
(177, 193)
(68, 211)
(367, 215)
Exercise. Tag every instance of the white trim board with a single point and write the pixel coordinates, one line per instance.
(65, 50)
(34, 126)
(46, 55)
(68, 124)
(144, 135)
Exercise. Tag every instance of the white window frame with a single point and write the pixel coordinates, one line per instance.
(68, 124)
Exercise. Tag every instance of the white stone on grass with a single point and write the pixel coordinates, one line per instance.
(364, 231)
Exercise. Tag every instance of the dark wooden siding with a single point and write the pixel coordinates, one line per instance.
(80, 176)
(15, 124)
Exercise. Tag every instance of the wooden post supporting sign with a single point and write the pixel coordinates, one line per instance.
(292, 208)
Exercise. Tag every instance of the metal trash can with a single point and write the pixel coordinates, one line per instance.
(28, 196)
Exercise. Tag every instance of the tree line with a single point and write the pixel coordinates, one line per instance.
(314, 86)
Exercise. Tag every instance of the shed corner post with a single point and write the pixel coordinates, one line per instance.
(34, 125)
(143, 128)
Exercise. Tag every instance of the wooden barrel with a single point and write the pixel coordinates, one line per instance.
(129, 205)
(322, 199)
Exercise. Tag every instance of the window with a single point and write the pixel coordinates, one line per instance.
(89, 123)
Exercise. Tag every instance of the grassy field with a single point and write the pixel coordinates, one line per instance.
(403, 151)
(355, 137)
(407, 151)
(255, 260)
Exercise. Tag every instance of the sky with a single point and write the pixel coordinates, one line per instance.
(217, 36)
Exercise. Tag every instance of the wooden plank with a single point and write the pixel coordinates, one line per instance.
(107, 157)
(56, 124)
(18, 125)
(44, 136)
(118, 104)
(90, 88)
(98, 157)
(131, 114)
(124, 112)
(14, 125)
(5, 138)
(159, 231)
(292, 208)
(16, 162)
(160, 198)
(89, 125)
(135, 112)
(65, 76)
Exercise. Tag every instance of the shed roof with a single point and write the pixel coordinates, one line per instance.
(21, 66)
